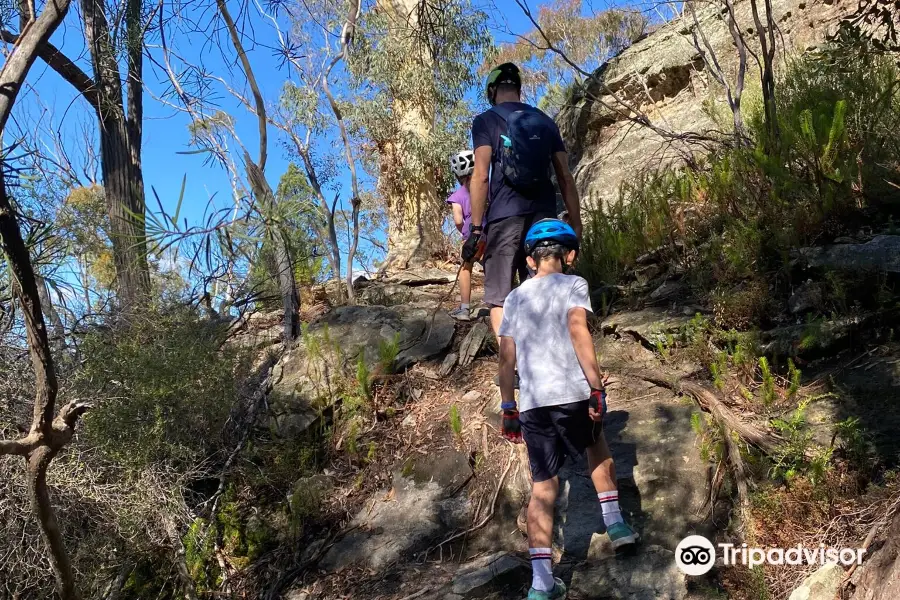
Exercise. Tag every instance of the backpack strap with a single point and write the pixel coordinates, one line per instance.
(503, 111)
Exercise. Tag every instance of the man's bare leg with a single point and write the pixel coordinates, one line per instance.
(496, 319)
(601, 467)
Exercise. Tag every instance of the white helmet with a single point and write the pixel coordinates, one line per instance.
(463, 163)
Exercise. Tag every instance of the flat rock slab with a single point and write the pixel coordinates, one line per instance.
(661, 477)
(650, 574)
(475, 579)
(416, 277)
(649, 325)
(390, 525)
(880, 255)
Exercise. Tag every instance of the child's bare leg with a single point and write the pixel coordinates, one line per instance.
(601, 467)
(465, 283)
(603, 474)
(540, 512)
(540, 531)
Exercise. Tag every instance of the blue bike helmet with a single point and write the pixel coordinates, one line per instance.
(547, 232)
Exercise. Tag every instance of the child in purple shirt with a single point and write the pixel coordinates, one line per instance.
(462, 164)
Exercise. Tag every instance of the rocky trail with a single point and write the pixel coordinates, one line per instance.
(433, 511)
(440, 519)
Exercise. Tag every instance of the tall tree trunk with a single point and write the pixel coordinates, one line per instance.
(767, 47)
(287, 285)
(120, 146)
(284, 266)
(415, 213)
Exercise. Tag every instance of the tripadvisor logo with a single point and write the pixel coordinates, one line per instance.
(696, 555)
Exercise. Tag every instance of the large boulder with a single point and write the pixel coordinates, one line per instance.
(307, 378)
(824, 584)
(664, 76)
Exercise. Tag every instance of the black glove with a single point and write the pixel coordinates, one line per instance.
(597, 401)
(473, 244)
(510, 427)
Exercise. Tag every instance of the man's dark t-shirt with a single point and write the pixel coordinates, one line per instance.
(505, 201)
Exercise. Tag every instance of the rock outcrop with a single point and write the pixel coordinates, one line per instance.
(879, 579)
(664, 77)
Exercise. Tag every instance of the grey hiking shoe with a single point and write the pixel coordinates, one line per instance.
(461, 314)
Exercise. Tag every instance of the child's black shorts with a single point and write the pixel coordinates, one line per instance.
(554, 432)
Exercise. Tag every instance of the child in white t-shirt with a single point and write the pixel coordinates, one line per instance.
(562, 400)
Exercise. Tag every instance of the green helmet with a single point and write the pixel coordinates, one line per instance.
(506, 73)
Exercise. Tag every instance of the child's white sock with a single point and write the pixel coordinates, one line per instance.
(464, 305)
(609, 504)
(541, 569)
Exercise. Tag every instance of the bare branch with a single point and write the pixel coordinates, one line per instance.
(63, 66)
(251, 79)
(25, 52)
(346, 36)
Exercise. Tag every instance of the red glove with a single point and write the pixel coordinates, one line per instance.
(510, 427)
(597, 403)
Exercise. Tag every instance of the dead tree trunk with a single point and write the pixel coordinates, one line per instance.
(48, 434)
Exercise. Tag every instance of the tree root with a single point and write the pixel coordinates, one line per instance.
(733, 429)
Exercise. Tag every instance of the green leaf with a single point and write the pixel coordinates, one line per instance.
(174, 218)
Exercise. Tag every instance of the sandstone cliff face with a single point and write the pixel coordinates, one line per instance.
(664, 76)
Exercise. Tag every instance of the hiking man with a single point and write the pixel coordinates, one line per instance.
(462, 164)
(515, 146)
(562, 400)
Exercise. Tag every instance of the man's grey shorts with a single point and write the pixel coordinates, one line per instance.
(504, 255)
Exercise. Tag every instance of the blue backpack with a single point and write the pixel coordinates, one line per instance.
(525, 152)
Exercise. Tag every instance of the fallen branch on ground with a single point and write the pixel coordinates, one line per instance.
(727, 421)
(707, 400)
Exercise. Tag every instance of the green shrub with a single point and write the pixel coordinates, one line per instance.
(387, 353)
(732, 219)
(642, 219)
(768, 383)
(455, 421)
(164, 386)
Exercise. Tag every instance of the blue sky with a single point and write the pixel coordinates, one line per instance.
(166, 129)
